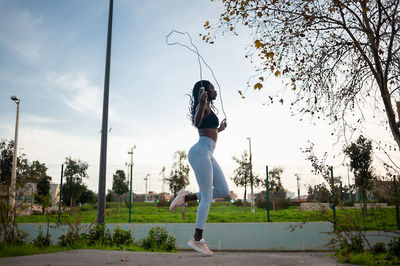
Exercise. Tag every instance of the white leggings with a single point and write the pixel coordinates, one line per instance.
(209, 177)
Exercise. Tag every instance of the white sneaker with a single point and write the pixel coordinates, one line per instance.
(200, 246)
(179, 200)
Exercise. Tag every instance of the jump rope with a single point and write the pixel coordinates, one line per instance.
(199, 59)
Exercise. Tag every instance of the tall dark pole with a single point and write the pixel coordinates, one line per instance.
(267, 185)
(251, 178)
(130, 196)
(59, 202)
(104, 126)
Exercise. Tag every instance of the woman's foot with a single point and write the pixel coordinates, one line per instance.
(179, 200)
(200, 246)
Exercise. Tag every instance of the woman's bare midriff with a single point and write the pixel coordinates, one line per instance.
(212, 133)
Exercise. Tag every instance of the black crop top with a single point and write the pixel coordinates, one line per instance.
(211, 121)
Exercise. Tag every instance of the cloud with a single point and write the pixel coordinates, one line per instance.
(78, 93)
(34, 119)
(22, 35)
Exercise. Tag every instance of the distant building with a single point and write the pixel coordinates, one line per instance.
(232, 196)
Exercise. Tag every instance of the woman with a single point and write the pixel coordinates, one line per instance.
(209, 175)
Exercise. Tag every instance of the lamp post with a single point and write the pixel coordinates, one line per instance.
(298, 188)
(251, 178)
(14, 165)
(130, 181)
(104, 126)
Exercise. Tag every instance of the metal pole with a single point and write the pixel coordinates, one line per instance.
(15, 156)
(104, 127)
(267, 185)
(298, 188)
(397, 204)
(251, 178)
(59, 202)
(130, 194)
(333, 194)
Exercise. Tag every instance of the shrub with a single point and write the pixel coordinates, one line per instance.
(99, 234)
(68, 240)
(84, 208)
(394, 247)
(279, 204)
(379, 248)
(42, 241)
(356, 244)
(122, 237)
(192, 203)
(21, 237)
(163, 203)
(158, 239)
(239, 203)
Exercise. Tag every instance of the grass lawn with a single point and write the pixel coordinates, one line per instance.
(220, 212)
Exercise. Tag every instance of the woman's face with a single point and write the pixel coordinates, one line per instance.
(212, 93)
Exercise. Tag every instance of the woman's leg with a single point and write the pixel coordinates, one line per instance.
(221, 189)
(202, 166)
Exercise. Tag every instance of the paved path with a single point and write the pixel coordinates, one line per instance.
(109, 257)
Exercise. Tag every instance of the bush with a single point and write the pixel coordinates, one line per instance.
(379, 248)
(158, 239)
(42, 241)
(279, 204)
(122, 237)
(97, 234)
(394, 247)
(192, 203)
(239, 203)
(68, 240)
(21, 237)
(356, 244)
(163, 203)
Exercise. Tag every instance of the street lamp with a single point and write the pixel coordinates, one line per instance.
(14, 165)
(130, 181)
(251, 178)
(298, 187)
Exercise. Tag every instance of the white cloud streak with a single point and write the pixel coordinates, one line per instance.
(22, 36)
(78, 93)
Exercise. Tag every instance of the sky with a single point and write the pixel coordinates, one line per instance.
(52, 56)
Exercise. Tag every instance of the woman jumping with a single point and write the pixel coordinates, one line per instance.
(209, 175)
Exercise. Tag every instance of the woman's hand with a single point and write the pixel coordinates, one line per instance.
(222, 126)
(203, 97)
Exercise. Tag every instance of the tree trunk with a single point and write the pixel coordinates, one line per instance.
(244, 201)
(119, 200)
(364, 198)
(273, 202)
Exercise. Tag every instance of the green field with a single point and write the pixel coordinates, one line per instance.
(220, 212)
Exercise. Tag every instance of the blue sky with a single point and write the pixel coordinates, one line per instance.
(52, 55)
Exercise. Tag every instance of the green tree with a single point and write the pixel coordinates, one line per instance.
(275, 185)
(120, 185)
(360, 154)
(336, 56)
(6, 161)
(318, 193)
(74, 172)
(179, 175)
(242, 176)
(6, 158)
(87, 196)
(38, 173)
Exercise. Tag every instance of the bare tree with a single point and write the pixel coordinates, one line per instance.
(337, 56)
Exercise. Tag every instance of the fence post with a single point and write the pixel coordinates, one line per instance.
(59, 202)
(267, 190)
